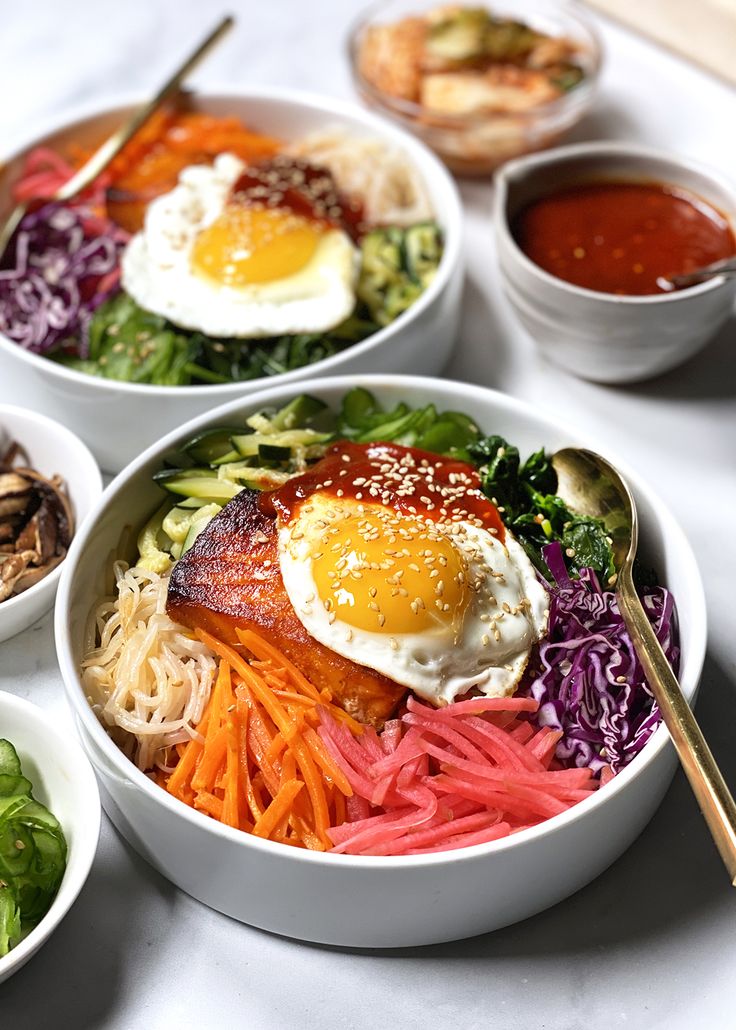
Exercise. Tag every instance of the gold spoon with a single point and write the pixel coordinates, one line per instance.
(592, 486)
(115, 143)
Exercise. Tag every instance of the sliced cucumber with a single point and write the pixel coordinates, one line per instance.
(248, 445)
(196, 502)
(176, 523)
(211, 444)
(197, 482)
(154, 546)
(270, 454)
(422, 252)
(231, 455)
(254, 478)
(9, 761)
(200, 520)
(299, 412)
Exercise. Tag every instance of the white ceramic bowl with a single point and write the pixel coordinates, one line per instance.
(359, 901)
(62, 780)
(51, 449)
(118, 420)
(602, 336)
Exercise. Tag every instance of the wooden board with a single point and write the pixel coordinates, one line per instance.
(703, 31)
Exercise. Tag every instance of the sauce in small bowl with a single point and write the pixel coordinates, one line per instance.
(622, 237)
(598, 315)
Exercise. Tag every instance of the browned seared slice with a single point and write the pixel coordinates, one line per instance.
(231, 578)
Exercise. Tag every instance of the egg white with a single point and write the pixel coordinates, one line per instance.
(157, 273)
(486, 648)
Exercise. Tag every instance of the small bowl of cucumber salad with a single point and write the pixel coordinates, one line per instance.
(49, 827)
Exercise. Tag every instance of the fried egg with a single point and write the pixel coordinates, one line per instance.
(209, 262)
(439, 605)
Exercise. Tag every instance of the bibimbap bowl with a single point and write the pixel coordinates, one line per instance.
(117, 419)
(384, 901)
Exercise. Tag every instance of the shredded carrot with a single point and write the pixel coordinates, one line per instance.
(150, 164)
(265, 651)
(328, 765)
(258, 763)
(278, 808)
(206, 802)
(191, 754)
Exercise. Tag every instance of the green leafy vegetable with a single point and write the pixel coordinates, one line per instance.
(361, 419)
(534, 513)
(132, 345)
(32, 853)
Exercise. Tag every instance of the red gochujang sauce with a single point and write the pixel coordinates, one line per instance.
(405, 479)
(303, 188)
(622, 237)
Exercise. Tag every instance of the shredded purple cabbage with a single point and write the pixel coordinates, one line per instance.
(586, 676)
(56, 271)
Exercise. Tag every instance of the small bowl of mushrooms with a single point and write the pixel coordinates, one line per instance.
(48, 483)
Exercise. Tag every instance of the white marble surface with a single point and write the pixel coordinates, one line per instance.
(650, 944)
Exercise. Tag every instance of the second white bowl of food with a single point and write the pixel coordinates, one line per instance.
(394, 899)
(48, 484)
(396, 179)
(62, 780)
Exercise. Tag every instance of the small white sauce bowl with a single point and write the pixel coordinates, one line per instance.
(359, 901)
(119, 419)
(602, 336)
(52, 449)
(62, 780)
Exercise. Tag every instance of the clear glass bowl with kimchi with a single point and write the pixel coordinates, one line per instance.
(478, 83)
(238, 238)
(350, 646)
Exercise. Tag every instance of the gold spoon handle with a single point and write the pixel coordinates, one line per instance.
(112, 146)
(710, 789)
(115, 143)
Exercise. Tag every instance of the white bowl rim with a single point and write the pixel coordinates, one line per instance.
(451, 216)
(54, 428)
(79, 865)
(124, 771)
(572, 151)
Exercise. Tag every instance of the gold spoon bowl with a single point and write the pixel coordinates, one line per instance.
(590, 485)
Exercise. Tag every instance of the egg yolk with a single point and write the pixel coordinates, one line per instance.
(254, 245)
(385, 574)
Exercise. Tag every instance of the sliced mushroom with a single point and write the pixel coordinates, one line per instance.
(9, 528)
(36, 523)
(41, 532)
(32, 574)
(11, 569)
(15, 493)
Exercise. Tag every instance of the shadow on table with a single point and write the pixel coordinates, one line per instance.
(77, 977)
(607, 120)
(710, 374)
(666, 880)
(481, 354)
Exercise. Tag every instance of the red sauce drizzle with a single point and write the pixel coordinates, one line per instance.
(622, 237)
(303, 188)
(405, 479)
